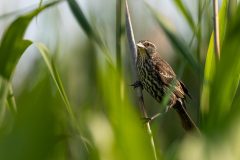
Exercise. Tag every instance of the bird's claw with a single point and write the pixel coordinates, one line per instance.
(149, 119)
(146, 119)
(137, 84)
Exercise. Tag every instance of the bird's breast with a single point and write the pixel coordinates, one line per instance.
(150, 79)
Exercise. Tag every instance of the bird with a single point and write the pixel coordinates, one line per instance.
(157, 77)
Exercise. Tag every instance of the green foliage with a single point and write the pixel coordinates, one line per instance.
(99, 120)
(37, 129)
(210, 64)
(11, 49)
(55, 75)
(13, 45)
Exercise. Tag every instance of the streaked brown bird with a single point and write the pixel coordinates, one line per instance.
(158, 78)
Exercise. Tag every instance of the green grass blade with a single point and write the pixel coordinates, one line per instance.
(12, 43)
(226, 79)
(186, 13)
(11, 49)
(177, 43)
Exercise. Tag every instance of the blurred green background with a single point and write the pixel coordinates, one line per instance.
(74, 100)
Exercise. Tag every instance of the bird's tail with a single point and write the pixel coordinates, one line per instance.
(186, 120)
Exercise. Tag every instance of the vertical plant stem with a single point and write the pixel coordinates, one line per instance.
(216, 28)
(11, 100)
(119, 9)
(199, 30)
(118, 34)
(3, 97)
(133, 50)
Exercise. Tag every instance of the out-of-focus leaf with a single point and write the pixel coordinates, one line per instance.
(11, 48)
(177, 43)
(57, 80)
(210, 63)
(225, 80)
(40, 3)
(232, 8)
(37, 132)
(186, 13)
(12, 43)
(88, 29)
(130, 137)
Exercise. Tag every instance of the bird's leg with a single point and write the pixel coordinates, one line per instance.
(146, 119)
(149, 119)
(137, 84)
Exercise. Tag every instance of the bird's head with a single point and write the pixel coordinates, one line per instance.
(145, 48)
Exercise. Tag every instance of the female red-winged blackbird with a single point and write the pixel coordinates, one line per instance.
(158, 78)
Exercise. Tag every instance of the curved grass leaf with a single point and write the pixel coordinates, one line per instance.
(13, 45)
(11, 48)
(177, 43)
(44, 51)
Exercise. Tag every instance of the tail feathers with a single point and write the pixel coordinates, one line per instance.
(185, 89)
(187, 122)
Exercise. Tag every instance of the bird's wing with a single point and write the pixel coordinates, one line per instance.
(168, 76)
(163, 69)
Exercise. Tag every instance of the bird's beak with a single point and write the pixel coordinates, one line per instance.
(140, 45)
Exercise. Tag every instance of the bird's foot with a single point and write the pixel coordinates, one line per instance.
(137, 84)
(150, 119)
(146, 119)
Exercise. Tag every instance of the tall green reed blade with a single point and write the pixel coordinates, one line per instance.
(119, 33)
(210, 63)
(119, 9)
(227, 74)
(88, 29)
(177, 43)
